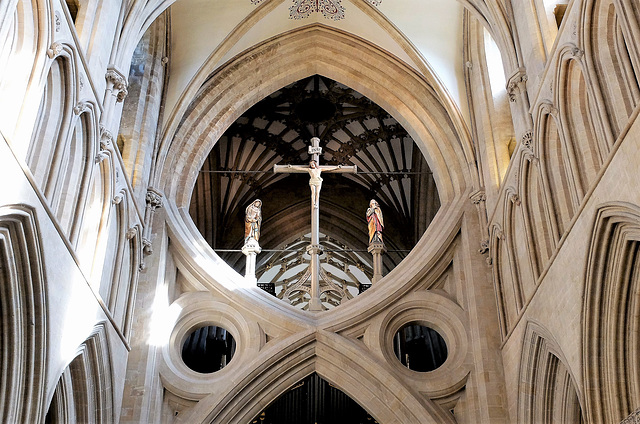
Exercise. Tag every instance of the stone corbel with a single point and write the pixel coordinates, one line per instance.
(117, 83)
(106, 138)
(55, 50)
(517, 84)
(102, 155)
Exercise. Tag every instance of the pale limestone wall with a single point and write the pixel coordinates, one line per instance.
(100, 215)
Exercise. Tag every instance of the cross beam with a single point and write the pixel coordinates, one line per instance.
(315, 183)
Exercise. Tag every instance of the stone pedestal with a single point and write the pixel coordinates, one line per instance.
(251, 249)
(377, 249)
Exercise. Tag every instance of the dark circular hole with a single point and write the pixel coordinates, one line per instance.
(208, 349)
(315, 110)
(419, 348)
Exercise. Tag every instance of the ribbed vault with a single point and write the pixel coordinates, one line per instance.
(354, 131)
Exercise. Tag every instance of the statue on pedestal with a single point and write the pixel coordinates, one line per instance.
(253, 220)
(375, 222)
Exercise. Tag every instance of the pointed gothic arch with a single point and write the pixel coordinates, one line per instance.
(547, 392)
(610, 327)
(23, 319)
(607, 45)
(315, 50)
(84, 392)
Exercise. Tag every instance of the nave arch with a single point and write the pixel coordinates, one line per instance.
(302, 53)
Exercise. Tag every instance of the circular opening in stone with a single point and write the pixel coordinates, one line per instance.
(419, 348)
(208, 349)
(359, 244)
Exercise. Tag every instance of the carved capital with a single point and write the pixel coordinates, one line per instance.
(517, 83)
(80, 107)
(102, 155)
(131, 233)
(154, 199)
(118, 83)
(577, 52)
(106, 138)
(55, 50)
(478, 196)
(146, 247)
(549, 109)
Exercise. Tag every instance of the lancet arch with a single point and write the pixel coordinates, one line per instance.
(23, 357)
(610, 332)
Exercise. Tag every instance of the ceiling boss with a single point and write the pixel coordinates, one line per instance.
(330, 9)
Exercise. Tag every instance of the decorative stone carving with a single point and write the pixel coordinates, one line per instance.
(131, 233)
(330, 9)
(106, 138)
(118, 84)
(55, 50)
(527, 140)
(57, 21)
(102, 155)
(478, 196)
(117, 199)
(517, 82)
(484, 246)
(80, 108)
(577, 52)
(154, 199)
(515, 199)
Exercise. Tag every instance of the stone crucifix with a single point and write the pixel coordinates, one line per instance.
(315, 183)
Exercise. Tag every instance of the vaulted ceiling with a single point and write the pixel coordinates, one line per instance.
(354, 131)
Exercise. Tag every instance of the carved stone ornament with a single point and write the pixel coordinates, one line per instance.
(102, 155)
(484, 247)
(330, 9)
(131, 233)
(106, 138)
(55, 50)
(577, 52)
(515, 199)
(80, 108)
(146, 247)
(154, 199)
(117, 199)
(516, 82)
(478, 196)
(119, 84)
(527, 140)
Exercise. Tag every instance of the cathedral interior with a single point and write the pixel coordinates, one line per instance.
(500, 140)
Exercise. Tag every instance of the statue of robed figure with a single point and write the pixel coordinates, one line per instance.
(375, 222)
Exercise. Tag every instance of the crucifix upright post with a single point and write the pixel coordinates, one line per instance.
(315, 183)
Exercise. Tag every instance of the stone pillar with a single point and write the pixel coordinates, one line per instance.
(377, 249)
(251, 249)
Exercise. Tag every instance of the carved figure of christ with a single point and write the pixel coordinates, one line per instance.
(315, 183)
